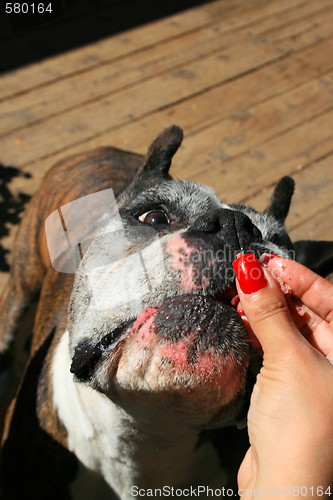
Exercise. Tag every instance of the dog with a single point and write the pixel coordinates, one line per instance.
(138, 362)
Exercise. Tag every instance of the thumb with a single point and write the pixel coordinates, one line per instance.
(265, 305)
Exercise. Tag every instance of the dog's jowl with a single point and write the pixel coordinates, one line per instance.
(139, 360)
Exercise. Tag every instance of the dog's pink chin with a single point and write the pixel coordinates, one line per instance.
(180, 365)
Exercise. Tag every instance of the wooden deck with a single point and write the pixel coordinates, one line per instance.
(250, 82)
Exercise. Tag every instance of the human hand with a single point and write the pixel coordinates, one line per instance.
(290, 420)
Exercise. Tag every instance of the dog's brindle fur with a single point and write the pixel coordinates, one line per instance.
(139, 403)
(31, 277)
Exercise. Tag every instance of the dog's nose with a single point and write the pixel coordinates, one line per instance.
(233, 228)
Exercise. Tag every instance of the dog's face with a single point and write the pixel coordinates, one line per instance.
(153, 319)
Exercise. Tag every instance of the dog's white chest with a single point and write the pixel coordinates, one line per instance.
(89, 418)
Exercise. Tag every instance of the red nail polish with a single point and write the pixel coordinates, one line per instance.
(249, 272)
(266, 257)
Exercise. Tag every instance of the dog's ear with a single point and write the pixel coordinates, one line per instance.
(161, 151)
(317, 255)
(281, 199)
(157, 161)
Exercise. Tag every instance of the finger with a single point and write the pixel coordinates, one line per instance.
(316, 330)
(313, 290)
(252, 336)
(265, 306)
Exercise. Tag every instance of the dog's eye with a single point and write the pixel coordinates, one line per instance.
(154, 217)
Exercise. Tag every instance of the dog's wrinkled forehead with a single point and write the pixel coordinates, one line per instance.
(187, 200)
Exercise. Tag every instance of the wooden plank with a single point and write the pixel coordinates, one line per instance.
(316, 228)
(81, 124)
(238, 133)
(203, 110)
(286, 23)
(89, 121)
(245, 175)
(312, 30)
(106, 79)
(235, 15)
(108, 49)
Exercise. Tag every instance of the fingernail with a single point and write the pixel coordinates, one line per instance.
(249, 273)
(266, 257)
